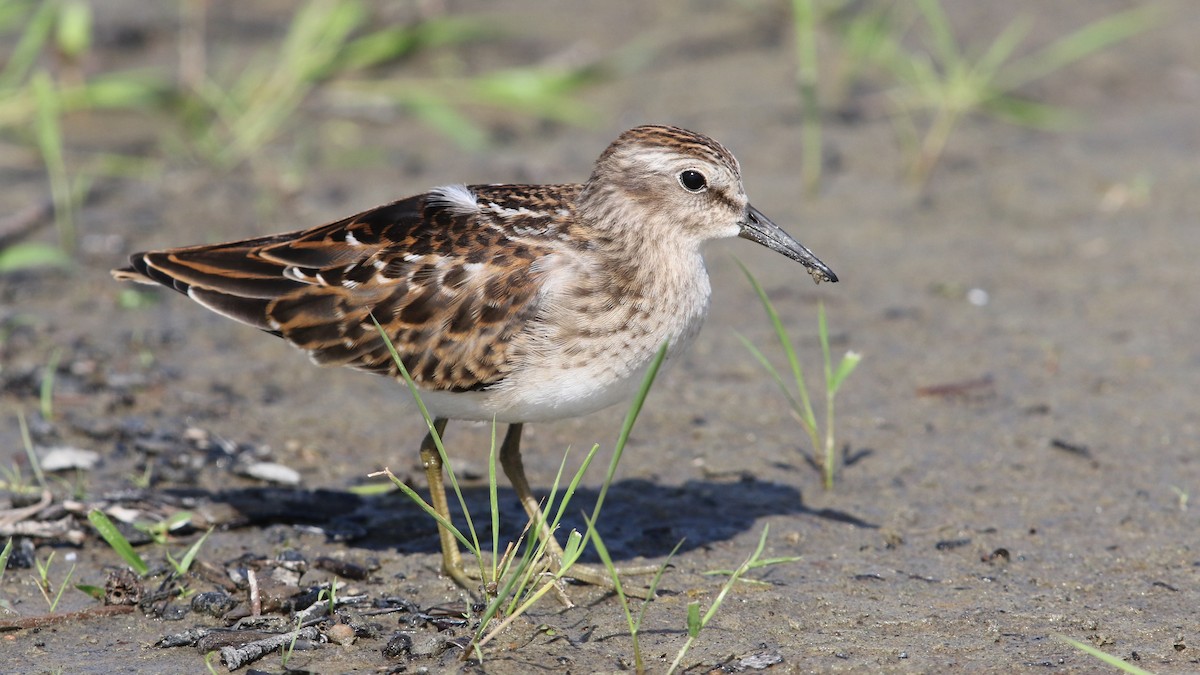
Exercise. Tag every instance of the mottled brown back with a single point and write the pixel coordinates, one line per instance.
(451, 283)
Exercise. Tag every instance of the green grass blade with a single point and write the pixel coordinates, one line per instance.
(694, 623)
(785, 341)
(4, 557)
(30, 453)
(540, 92)
(945, 46)
(631, 416)
(121, 90)
(494, 497)
(737, 574)
(442, 116)
(758, 564)
(117, 541)
(1105, 657)
(48, 130)
(1031, 114)
(394, 42)
(654, 582)
(62, 587)
(185, 563)
(425, 506)
(31, 255)
(823, 338)
(807, 79)
(849, 362)
(574, 485)
(572, 549)
(1001, 50)
(96, 592)
(774, 373)
(46, 391)
(74, 35)
(1070, 48)
(33, 39)
(316, 38)
(607, 561)
(441, 448)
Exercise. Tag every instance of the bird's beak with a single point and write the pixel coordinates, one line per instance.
(759, 228)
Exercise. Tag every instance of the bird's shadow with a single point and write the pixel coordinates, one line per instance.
(639, 517)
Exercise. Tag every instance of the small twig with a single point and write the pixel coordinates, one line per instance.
(255, 598)
(187, 638)
(51, 619)
(236, 657)
(11, 517)
(56, 531)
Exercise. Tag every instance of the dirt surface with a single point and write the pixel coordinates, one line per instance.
(1020, 463)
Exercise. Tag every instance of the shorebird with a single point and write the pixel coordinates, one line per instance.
(512, 303)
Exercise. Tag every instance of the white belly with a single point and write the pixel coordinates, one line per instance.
(550, 391)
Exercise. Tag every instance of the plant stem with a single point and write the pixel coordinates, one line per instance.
(807, 76)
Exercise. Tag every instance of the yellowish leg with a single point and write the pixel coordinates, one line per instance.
(514, 468)
(452, 563)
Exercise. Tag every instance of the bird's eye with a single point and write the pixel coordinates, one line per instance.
(693, 181)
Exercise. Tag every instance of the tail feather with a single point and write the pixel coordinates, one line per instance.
(227, 279)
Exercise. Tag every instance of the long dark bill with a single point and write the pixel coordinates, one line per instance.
(759, 229)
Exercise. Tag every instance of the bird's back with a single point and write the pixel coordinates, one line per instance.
(449, 274)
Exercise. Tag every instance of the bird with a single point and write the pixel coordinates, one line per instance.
(506, 303)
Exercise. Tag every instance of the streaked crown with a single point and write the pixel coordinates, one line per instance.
(684, 183)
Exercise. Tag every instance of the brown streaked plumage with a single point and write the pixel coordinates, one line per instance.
(510, 302)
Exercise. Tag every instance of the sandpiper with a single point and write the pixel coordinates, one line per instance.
(514, 303)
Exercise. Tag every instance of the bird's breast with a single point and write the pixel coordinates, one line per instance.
(597, 334)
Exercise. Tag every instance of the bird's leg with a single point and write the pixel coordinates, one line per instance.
(452, 563)
(514, 468)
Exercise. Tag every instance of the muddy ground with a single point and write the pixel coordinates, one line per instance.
(1020, 464)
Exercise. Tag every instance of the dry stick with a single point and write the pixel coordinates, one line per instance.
(51, 619)
(11, 517)
(56, 531)
(236, 657)
(255, 598)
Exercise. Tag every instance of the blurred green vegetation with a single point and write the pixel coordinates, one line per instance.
(223, 106)
(930, 81)
(233, 104)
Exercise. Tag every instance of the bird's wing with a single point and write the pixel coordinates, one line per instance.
(451, 281)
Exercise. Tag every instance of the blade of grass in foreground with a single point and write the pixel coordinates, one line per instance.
(4, 557)
(695, 622)
(473, 544)
(823, 451)
(630, 417)
(1104, 656)
(805, 409)
(117, 541)
(30, 453)
(575, 542)
(635, 625)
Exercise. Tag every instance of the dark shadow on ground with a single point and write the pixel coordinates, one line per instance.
(640, 518)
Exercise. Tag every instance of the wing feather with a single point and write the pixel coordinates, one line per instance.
(452, 286)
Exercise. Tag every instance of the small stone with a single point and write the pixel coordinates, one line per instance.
(341, 634)
(272, 472)
(213, 603)
(63, 458)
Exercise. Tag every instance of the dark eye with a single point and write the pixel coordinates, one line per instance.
(693, 181)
